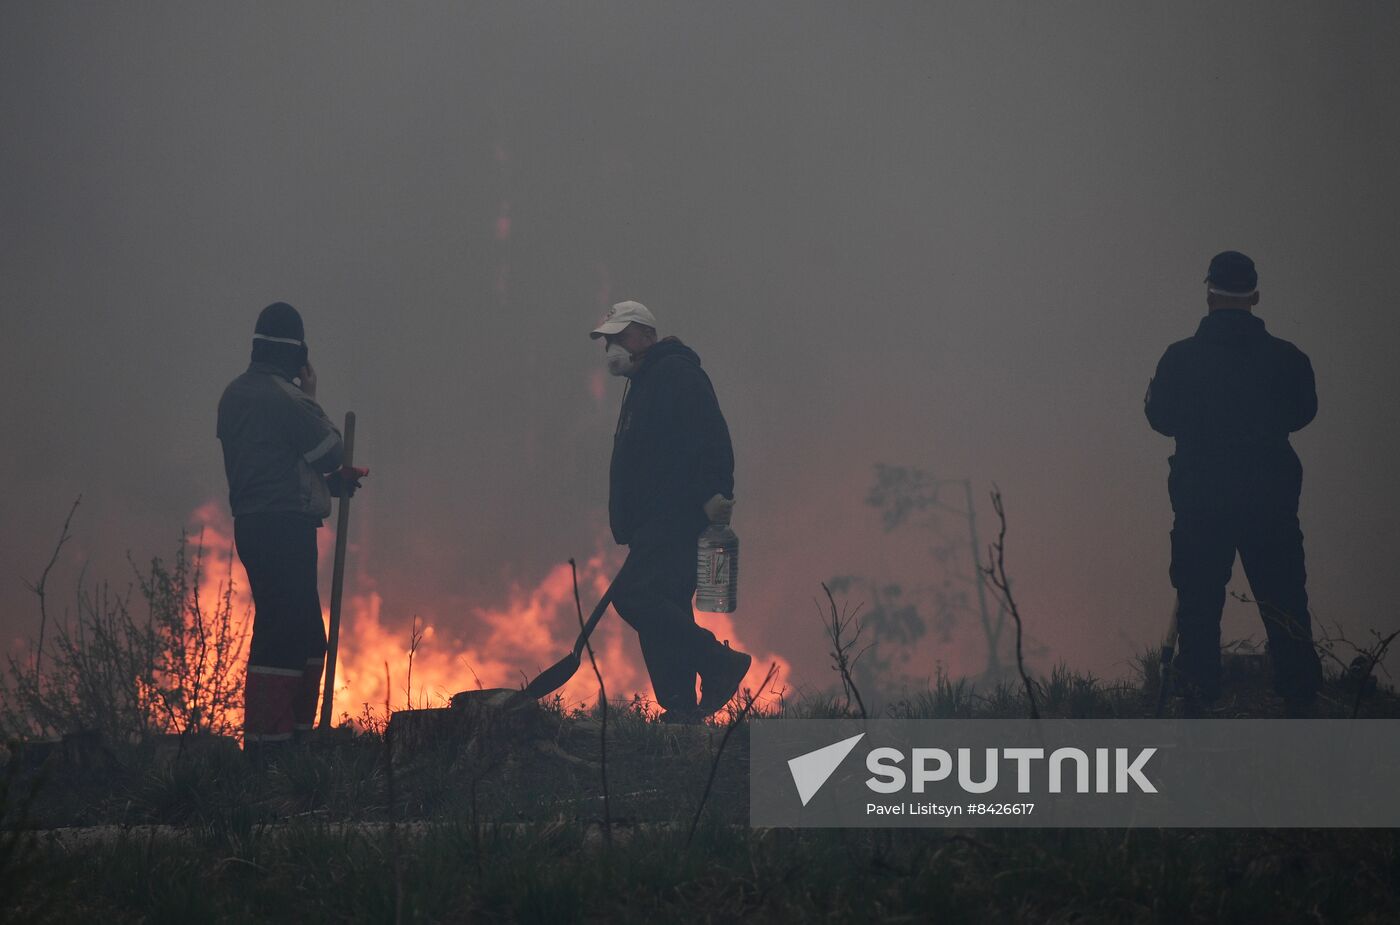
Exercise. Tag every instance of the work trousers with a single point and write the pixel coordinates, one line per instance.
(653, 593)
(1255, 514)
(288, 651)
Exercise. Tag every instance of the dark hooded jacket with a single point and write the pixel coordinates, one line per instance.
(278, 444)
(1231, 395)
(671, 450)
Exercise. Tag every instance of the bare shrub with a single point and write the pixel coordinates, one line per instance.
(843, 630)
(108, 670)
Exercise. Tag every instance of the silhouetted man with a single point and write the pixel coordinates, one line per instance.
(672, 474)
(282, 456)
(1230, 395)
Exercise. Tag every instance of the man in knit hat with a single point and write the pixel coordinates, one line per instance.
(672, 474)
(282, 456)
(1230, 395)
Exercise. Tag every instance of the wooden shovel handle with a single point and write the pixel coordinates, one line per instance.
(338, 575)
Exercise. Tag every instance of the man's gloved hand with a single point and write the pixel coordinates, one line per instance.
(719, 509)
(347, 476)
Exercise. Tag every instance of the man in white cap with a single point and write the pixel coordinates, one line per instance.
(672, 474)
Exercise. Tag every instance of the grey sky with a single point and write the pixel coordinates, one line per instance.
(956, 236)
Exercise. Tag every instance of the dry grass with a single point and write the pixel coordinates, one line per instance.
(342, 831)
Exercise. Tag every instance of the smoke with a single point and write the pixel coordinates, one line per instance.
(956, 238)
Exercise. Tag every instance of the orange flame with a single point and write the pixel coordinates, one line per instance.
(220, 588)
(499, 646)
(212, 529)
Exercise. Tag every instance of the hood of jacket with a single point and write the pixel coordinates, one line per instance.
(1232, 327)
(662, 349)
(671, 449)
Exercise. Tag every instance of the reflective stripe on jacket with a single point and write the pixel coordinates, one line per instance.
(278, 445)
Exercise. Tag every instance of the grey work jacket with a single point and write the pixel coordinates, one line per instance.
(278, 445)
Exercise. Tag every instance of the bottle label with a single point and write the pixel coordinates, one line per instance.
(719, 568)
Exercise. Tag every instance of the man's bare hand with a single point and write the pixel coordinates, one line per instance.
(308, 379)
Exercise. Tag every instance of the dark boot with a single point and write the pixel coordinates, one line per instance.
(670, 668)
(720, 680)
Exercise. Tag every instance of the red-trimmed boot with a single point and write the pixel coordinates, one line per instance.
(308, 696)
(269, 707)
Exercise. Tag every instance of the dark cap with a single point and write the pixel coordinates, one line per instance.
(281, 324)
(1232, 274)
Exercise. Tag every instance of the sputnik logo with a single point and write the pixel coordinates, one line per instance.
(813, 769)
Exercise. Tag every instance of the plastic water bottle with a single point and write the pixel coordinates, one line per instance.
(717, 570)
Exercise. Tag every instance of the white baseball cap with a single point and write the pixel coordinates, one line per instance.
(621, 315)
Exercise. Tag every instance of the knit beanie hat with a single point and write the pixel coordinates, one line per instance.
(281, 324)
(280, 339)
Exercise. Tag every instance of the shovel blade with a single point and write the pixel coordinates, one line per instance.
(553, 677)
(558, 674)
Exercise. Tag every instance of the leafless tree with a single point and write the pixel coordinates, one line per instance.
(902, 492)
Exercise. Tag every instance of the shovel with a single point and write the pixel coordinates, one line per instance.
(558, 674)
(342, 530)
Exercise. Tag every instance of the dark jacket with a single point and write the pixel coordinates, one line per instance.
(671, 450)
(278, 444)
(1231, 395)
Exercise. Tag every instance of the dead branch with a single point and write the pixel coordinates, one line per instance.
(1359, 671)
(38, 587)
(1275, 616)
(475, 676)
(415, 638)
(603, 709)
(841, 647)
(749, 698)
(995, 570)
(394, 852)
(1372, 655)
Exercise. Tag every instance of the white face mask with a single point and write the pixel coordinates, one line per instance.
(620, 362)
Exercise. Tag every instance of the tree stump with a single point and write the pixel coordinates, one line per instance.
(497, 711)
(492, 719)
(86, 751)
(414, 731)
